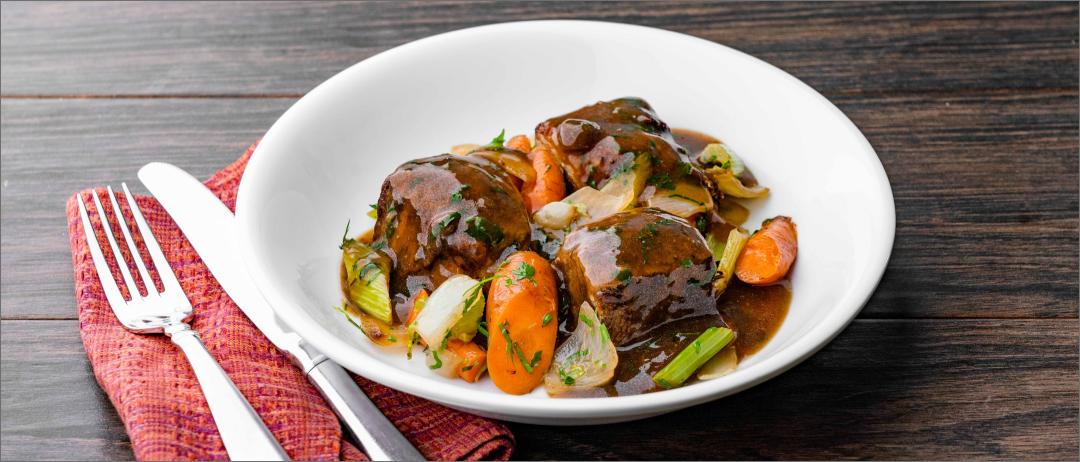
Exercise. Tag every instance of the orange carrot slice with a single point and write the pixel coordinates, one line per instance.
(769, 253)
(521, 322)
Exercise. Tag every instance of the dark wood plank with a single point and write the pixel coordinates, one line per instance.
(985, 185)
(51, 149)
(885, 389)
(53, 409)
(288, 48)
(986, 193)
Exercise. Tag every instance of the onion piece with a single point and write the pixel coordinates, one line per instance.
(686, 199)
(593, 205)
(366, 279)
(629, 178)
(443, 361)
(721, 154)
(462, 149)
(726, 180)
(724, 363)
(555, 215)
(445, 307)
(585, 360)
(729, 172)
(514, 162)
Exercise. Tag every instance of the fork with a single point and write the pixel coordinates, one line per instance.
(242, 431)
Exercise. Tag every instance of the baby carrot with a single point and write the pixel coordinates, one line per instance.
(549, 185)
(473, 359)
(769, 253)
(418, 304)
(521, 322)
(520, 143)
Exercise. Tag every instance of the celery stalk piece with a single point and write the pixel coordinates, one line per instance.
(707, 345)
(366, 278)
(726, 267)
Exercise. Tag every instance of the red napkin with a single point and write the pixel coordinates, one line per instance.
(153, 389)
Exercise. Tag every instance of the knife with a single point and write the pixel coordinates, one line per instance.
(209, 226)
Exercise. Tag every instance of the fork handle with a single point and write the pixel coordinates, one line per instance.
(242, 431)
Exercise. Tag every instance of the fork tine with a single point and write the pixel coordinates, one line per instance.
(108, 284)
(151, 289)
(165, 272)
(133, 290)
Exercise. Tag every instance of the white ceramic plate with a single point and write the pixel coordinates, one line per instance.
(323, 162)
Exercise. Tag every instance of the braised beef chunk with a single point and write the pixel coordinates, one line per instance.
(589, 141)
(447, 215)
(639, 269)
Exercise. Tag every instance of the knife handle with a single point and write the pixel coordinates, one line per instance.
(379, 437)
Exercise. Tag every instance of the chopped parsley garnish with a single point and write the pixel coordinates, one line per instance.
(546, 320)
(687, 263)
(623, 275)
(662, 181)
(498, 141)
(521, 357)
(680, 196)
(415, 337)
(345, 239)
(483, 230)
(709, 276)
(586, 320)
(441, 226)
(438, 362)
(349, 317)
(645, 237)
(684, 168)
(456, 196)
(626, 165)
(392, 226)
(567, 379)
(371, 266)
(702, 224)
(505, 329)
(525, 271)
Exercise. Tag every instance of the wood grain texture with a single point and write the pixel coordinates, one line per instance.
(891, 389)
(51, 407)
(49, 149)
(287, 48)
(986, 194)
(985, 184)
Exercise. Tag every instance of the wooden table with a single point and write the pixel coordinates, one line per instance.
(968, 349)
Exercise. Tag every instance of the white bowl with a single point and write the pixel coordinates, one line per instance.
(323, 162)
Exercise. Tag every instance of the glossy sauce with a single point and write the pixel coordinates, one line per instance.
(754, 313)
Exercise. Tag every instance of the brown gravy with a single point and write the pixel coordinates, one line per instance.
(754, 313)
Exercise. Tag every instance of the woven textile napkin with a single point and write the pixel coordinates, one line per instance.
(153, 389)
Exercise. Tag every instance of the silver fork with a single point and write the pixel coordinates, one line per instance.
(242, 431)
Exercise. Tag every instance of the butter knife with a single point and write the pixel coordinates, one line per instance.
(209, 226)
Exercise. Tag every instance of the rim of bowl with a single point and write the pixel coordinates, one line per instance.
(842, 313)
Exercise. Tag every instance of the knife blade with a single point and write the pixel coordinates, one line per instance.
(210, 228)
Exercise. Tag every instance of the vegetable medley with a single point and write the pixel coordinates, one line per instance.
(605, 255)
